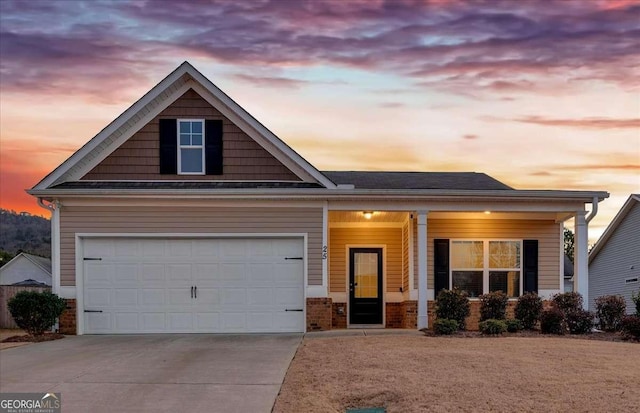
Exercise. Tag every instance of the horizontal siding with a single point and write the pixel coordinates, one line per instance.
(138, 158)
(76, 219)
(405, 257)
(339, 238)
(546, 232)
(618, 259)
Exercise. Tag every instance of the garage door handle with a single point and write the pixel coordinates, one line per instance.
(195, 292)
(192, 291)
(294, 258)
(293, 309)
(92, 311)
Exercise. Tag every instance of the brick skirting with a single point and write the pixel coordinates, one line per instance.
(67, 321)
(319, 314)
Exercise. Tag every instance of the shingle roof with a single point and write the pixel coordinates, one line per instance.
(182, 185)
(43, 262)
(416, 180)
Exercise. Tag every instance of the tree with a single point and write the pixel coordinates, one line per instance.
(568, 243)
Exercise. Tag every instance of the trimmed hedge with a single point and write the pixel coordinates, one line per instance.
(493, 305)
(514, 325)
(36, 312)
(630, 326)
(567, 302)
(552, 321)
(528, 309)
(610, 309)
(453, 305)
(445, 326)
(579, 321)
(493, 327)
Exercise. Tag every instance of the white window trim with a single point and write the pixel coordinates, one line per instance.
(180, 147)
(485, 264)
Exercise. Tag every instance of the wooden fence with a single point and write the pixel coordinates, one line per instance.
(6, 293)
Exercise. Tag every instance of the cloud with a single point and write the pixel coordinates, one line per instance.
(610, 167)
(470, 137)
(584, 123)
(272, 81)
(392, 105)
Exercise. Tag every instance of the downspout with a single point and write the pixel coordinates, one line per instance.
(594, 210)
(54, 208)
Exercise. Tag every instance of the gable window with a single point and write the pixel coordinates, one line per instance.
(191, 138)
(482, 266)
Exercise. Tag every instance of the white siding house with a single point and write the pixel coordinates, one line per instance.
(26, 269)
(614, 262)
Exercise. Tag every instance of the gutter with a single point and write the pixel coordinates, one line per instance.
(594, 210)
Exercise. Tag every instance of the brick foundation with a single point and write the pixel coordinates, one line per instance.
(319, 314)
(394, 313)
(410, 319)
(338, 317)
(67, 322)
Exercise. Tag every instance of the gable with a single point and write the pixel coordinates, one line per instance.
(138, 158)
(21, 269)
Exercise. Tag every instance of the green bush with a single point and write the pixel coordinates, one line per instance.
(493, 326)
(36, 312)
(528, 309)
(493, 306)
(453, 305)
(630, 326)
(552, 321)
(636, 301)
(610, 309)
(567, 302)
(445, 326)
(514, 325)
(579, 321)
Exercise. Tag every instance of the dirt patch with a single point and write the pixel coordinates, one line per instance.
(26, 338)
(447, 374)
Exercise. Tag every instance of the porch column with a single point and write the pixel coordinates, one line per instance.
(580, 258)
(423, 321)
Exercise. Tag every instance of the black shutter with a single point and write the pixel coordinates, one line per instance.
(168, 146)
(530, 258)
(441, 264)
(213, 147)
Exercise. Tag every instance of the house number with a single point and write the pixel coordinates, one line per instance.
(324, 252)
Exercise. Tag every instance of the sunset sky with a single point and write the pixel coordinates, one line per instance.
(539, 94)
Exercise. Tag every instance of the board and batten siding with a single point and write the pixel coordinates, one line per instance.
(546, 232)
(130, 219)
(618, 260)
(339, 238)
(405, 256)
(138, 158)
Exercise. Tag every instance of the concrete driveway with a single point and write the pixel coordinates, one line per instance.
(154, 373)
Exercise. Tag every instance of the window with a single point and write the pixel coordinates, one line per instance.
(191, 146)
(486, 266)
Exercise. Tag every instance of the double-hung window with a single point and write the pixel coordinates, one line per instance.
(482, 266)
(191, 147)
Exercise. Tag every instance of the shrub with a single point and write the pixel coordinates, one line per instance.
(493, 306)
(567, 302)
(636, 301)
(36, 312)
(514, 325)
(579, 321)
(610, 309)
(454, 305)
(528, 310)
(445, 326)
(492, 326)
(630, 326)
(552, 321)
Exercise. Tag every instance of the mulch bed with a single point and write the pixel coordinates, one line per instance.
(600, 336)
(33, 339)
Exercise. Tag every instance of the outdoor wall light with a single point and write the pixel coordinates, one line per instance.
(367, 214)
(487, 212)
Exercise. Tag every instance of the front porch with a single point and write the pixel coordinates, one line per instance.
(383, 267)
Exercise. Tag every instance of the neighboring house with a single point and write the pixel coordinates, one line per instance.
(568, 274)
(26, 269)
(186, 214)
(614, 262)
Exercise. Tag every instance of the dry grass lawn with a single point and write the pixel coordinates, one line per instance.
(420, 374)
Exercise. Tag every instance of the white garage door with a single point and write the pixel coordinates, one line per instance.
(193, 285)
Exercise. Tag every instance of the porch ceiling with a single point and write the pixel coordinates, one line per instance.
(358, 216)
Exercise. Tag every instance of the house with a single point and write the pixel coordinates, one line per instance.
(614, 261)
(186, 214)
(26, 269)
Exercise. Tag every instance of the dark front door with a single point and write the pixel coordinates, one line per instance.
(365, 285)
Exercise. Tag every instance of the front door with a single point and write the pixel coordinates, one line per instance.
(365, 285)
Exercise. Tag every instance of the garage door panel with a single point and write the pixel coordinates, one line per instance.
(144, 285)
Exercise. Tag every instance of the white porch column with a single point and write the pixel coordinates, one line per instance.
(423, 321)
(580, 258)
